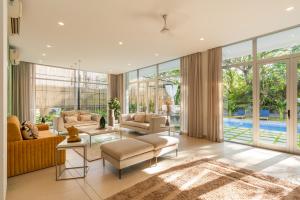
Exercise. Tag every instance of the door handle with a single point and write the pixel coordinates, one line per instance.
(288, 114)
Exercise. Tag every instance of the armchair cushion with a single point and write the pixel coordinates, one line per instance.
(42, 127)
(13, 129)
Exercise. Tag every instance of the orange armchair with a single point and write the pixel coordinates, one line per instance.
(29, 155)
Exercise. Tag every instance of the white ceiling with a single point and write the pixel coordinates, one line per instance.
(93, 29)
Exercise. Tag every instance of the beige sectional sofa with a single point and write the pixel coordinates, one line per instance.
(143, 122)
(78, 118)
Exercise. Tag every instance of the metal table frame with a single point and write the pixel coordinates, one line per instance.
(59, 172)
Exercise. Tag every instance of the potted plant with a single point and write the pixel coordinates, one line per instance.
(114, 111)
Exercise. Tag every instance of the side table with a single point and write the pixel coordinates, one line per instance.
(168, 127)
(64, 145)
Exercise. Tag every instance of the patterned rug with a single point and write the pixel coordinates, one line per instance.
(94, 152)
(209, 179)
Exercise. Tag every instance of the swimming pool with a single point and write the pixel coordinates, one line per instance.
(264, 125)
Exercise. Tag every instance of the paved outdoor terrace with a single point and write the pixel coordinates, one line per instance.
(236, 132)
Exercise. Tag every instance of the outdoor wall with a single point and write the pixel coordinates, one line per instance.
(3, 100)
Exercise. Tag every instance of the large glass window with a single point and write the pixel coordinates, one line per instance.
(260, 90)
(55, 90)
(93, 91)
(148, 89)
(279, 44)
(169, 89)
(58, 89)
(132, 93)
(237, 92)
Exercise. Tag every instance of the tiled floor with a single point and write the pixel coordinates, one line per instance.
(102, 183)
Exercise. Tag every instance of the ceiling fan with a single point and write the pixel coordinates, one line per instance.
(165, 27)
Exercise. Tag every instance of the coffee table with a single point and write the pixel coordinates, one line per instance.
(94, 130)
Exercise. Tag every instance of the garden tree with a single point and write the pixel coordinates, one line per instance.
(237, 88)
(273, 87)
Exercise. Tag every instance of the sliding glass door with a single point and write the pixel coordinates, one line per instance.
(295, 112)
(261, 91)
(274, 105)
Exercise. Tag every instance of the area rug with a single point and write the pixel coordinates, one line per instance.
(209, 179)
(94, 152)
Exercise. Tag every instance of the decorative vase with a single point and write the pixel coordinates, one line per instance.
(167, 121)
(43, 120)
(102, 122)
(111, 117)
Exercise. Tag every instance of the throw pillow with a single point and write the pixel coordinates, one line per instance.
(71, 119)
(29, 130)
(96, 118)
(139, 118)
(85, 117)
(26, 134)
(65, 114)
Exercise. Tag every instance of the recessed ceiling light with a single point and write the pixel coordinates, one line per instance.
(48, 46)
(120, 43)
(43, 54)
(156, 54)
(61, 23)
(129, 64)
(202, 39)
(290, 8)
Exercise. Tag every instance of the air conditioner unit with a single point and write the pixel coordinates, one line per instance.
(14, 56)
(14, 14)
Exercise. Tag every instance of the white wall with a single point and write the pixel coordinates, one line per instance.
(3, 99)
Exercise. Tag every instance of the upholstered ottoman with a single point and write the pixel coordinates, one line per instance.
(126, 152)
(162, 144)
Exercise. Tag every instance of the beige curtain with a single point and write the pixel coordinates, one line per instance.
(192, 70)
(184, 95)
(120, 91)
(116, 88)
(215, 102)
(23, 91)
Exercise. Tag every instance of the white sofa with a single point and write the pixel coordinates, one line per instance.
(143, 122)
(76, 118)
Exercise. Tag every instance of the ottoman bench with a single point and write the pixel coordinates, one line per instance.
(162, 144)
(127, 152)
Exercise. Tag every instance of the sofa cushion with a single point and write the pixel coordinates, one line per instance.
(139, 117)
(148, 117)
(64, 114)
(80, 123)
(71, 119)
(123, 149)
(46, 134)
(158, 141)
(85, 117)
(83, 112)
(137, 124)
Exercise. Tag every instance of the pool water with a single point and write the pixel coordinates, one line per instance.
(263, 125)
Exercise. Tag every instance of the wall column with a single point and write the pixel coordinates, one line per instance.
(3, 99)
